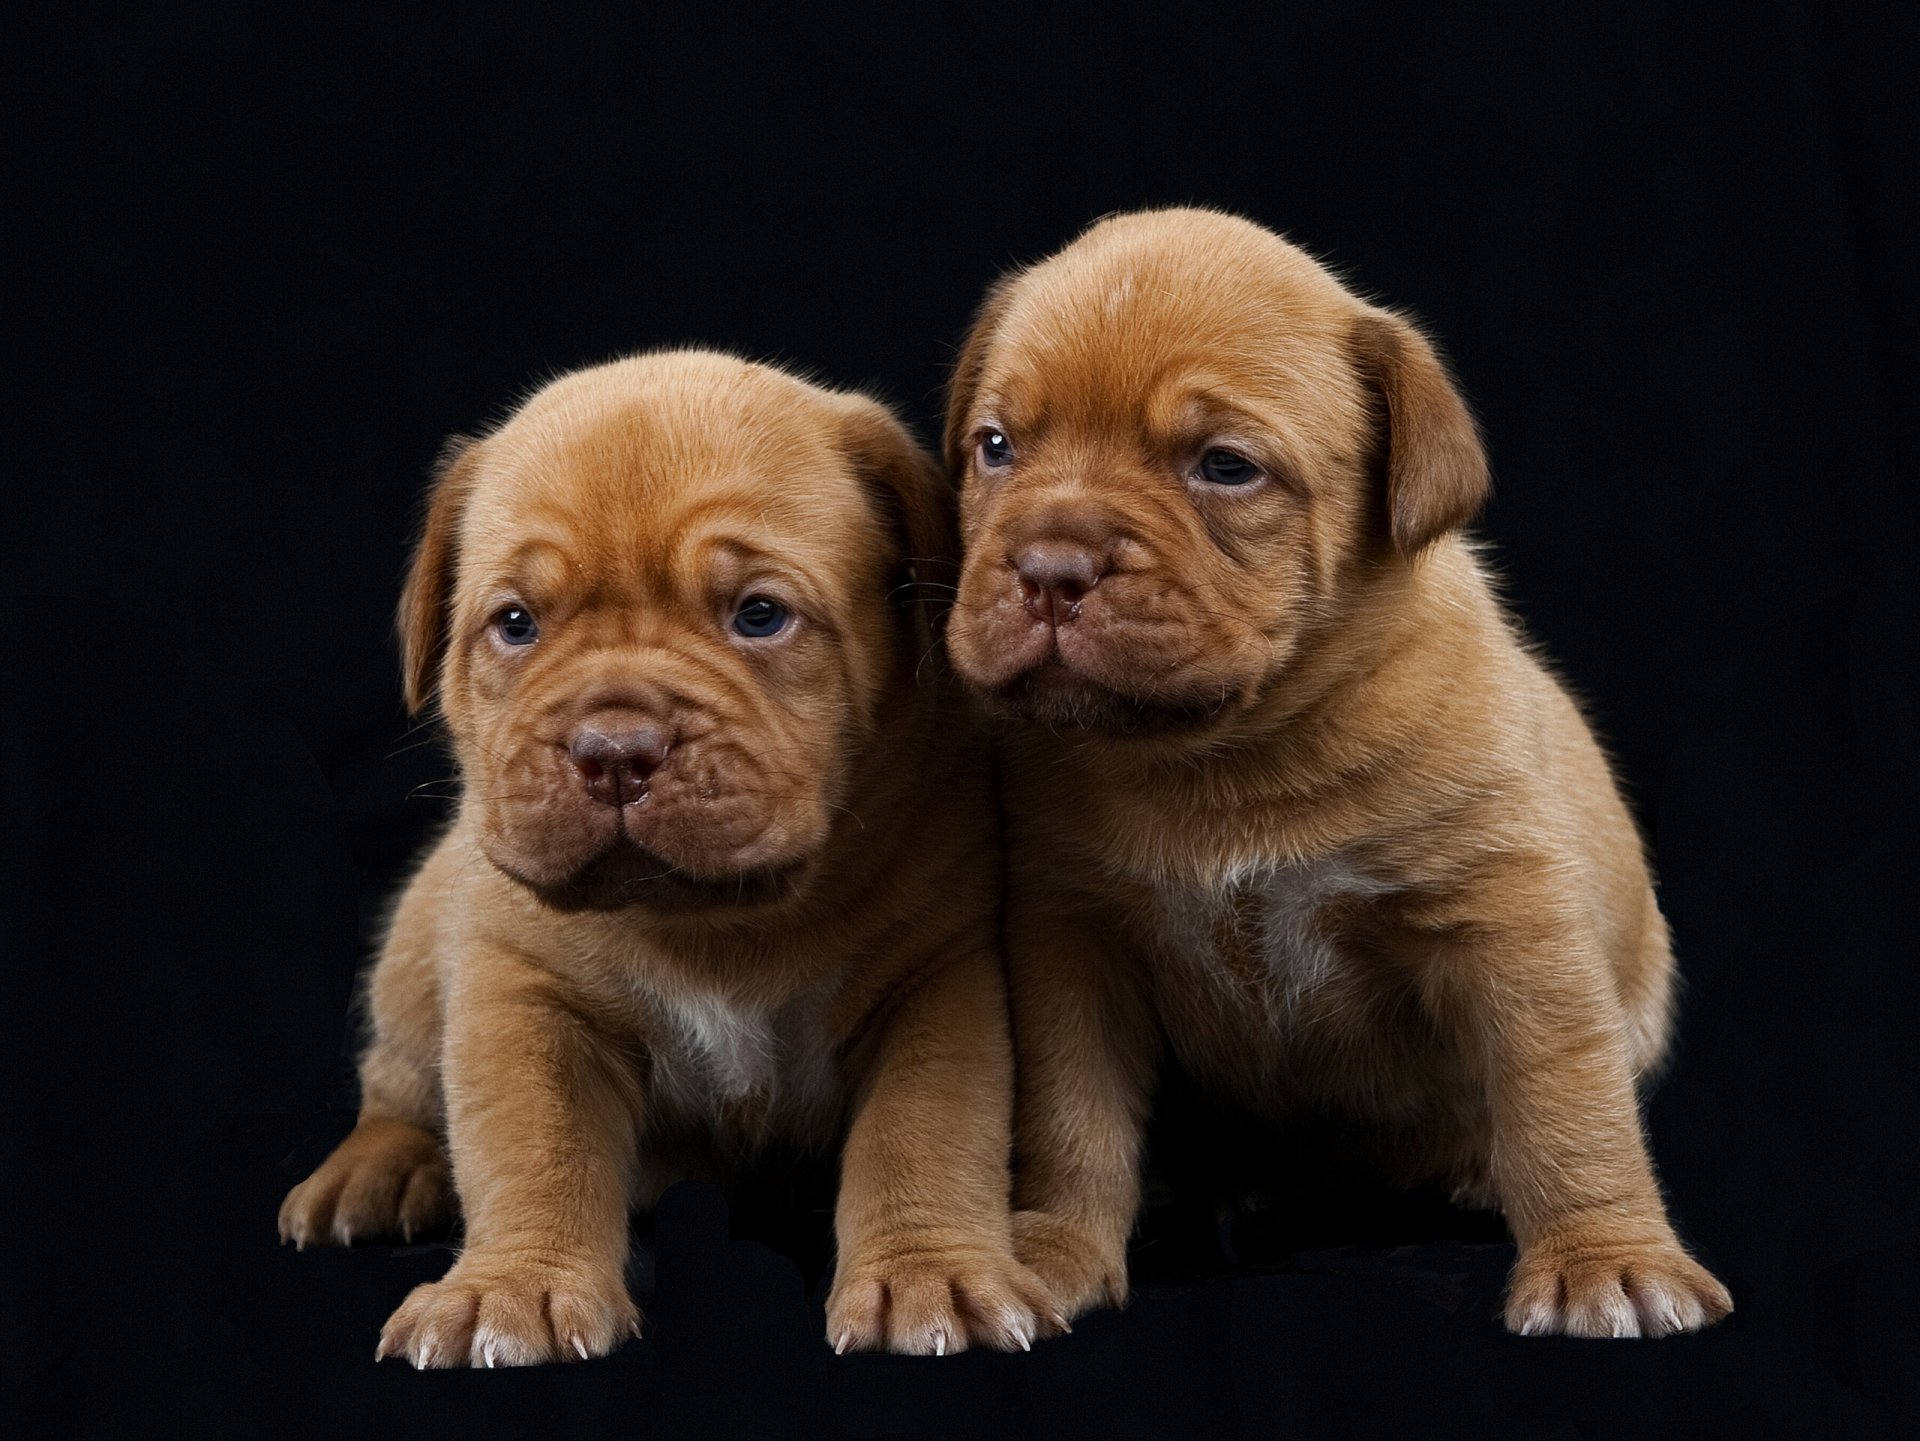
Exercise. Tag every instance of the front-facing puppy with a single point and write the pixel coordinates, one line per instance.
(1284, 785)
(722, 878)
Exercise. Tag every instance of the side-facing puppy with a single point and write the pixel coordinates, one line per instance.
(1289, 790)
(723, 875)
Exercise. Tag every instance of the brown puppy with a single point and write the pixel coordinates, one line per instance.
(1290, 790)
(723, 874)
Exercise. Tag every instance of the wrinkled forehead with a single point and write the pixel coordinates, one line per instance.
(632, 472)
(1115, 330)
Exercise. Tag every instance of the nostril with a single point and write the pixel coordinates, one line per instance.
(1056, 604)
(615, 766)
(1060, 566)
(1033, 584)
(642, 748)
(1055, 577)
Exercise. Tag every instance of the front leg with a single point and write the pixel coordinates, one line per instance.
(926, 1263)
(389, 1179)
(542, 1119)
(1086, 1050)
(1598, 1256)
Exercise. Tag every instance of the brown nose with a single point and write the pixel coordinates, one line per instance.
(1055, 576)
(616, 765)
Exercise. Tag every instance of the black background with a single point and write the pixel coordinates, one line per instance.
(259, 264)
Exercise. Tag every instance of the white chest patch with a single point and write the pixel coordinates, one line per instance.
(735, 1047)
(1261, 929)
(724, 1061)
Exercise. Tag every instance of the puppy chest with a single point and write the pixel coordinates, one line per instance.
(740, 1073)
(1268, 948)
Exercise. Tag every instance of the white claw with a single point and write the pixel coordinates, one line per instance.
(581, 1347)
(423, 1358)
(939, 1343)
(846, 1340)
(489, 1355)
(1026, 1341)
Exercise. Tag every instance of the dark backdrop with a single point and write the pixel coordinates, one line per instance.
(257, 266)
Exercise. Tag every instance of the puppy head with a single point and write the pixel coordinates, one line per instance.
(664, 606)
(1181, 443)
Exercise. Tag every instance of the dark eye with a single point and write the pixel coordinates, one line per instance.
(996, 451)
(1223, 467)
(759, 617)
(516, 626)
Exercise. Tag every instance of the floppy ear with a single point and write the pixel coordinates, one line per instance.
(964, 387)
(1434, 469)
(428, 594)
(918, 503)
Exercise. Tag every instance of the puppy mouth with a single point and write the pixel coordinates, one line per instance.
(1095, 670)
(624, 875)
(1054, 694)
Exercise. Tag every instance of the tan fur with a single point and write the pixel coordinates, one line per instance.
(1285, 786)
(793, 945)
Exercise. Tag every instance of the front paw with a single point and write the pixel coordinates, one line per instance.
(387, 1180)
(930, 1301)
(1085, 1271)
(1579, 1284)
(506, 1311)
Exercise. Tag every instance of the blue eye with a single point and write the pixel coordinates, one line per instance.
(759, 617)
(1223, 467)
(996, 451)
(516, 626)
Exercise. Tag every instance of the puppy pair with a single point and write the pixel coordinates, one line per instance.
(722, 883)
(1285, 795)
